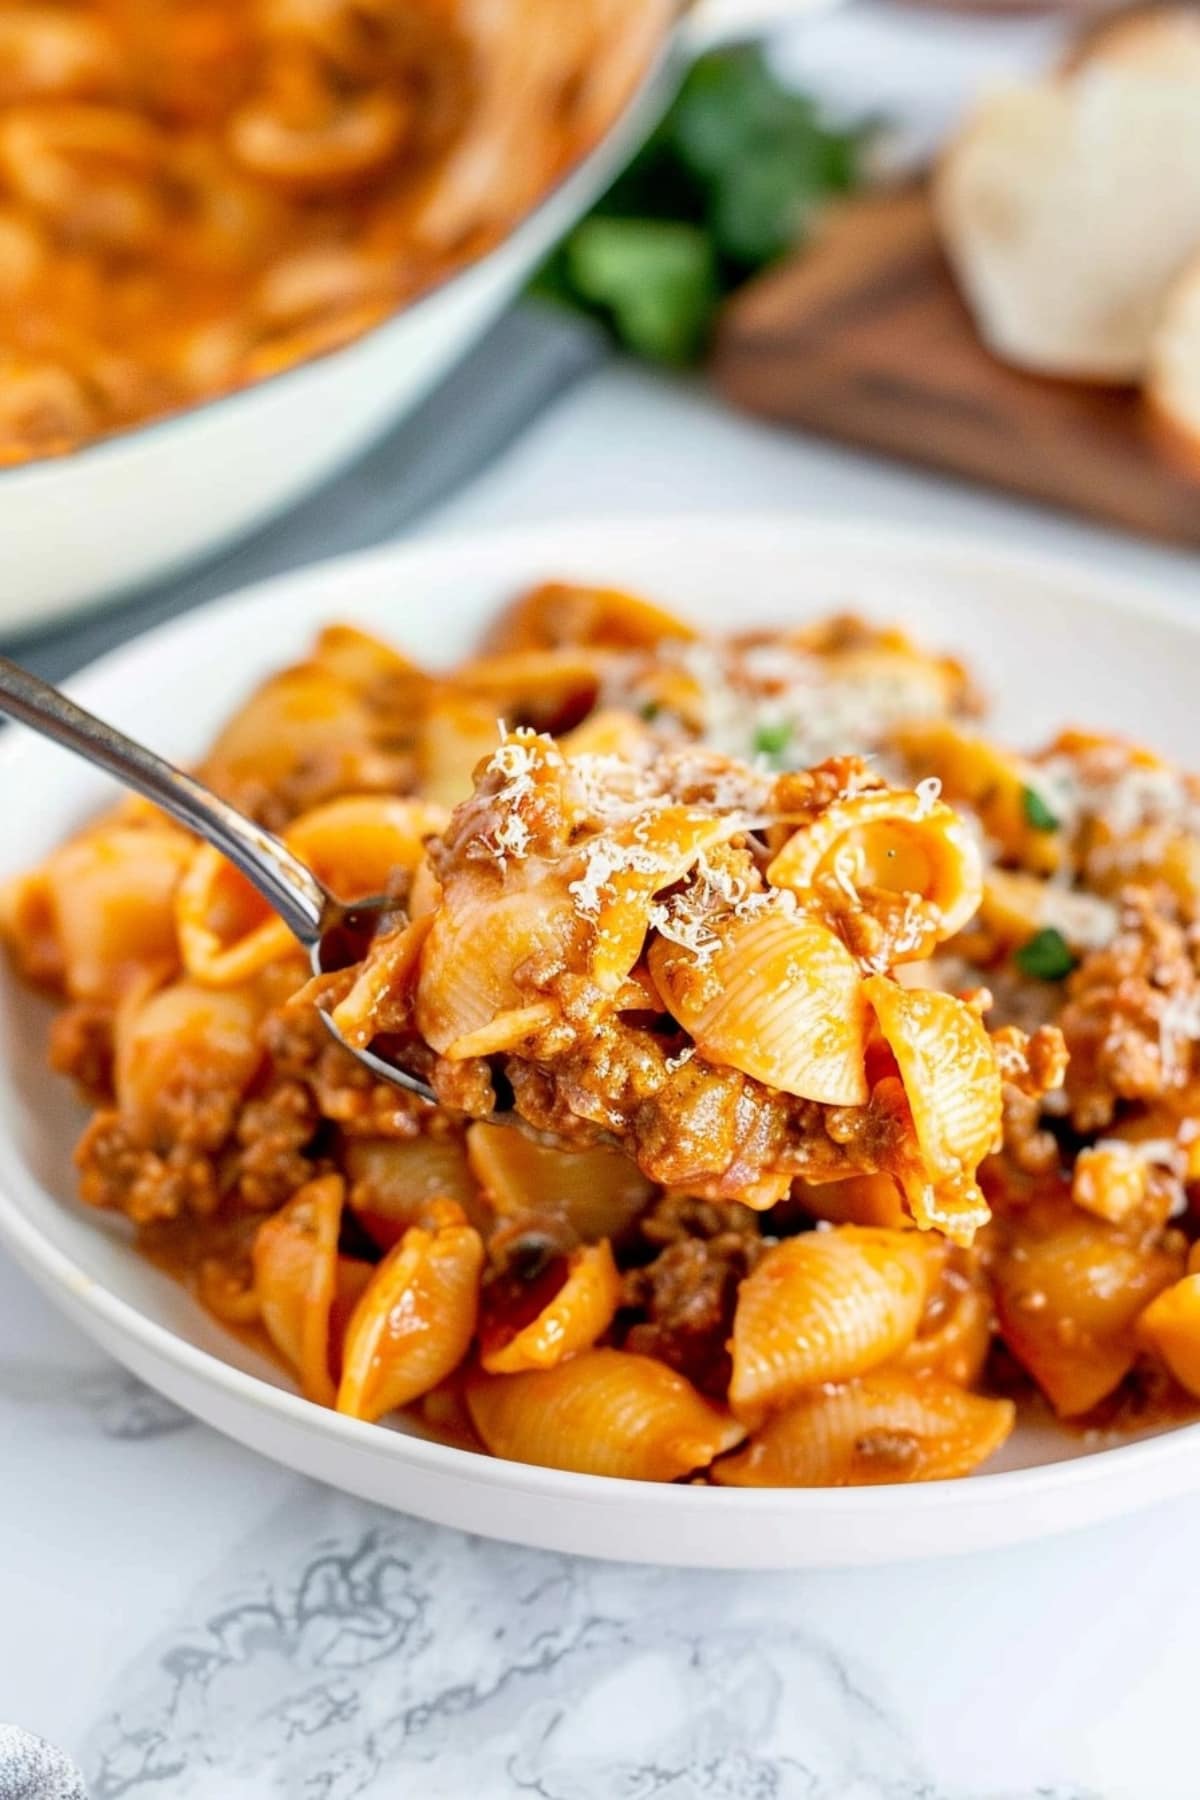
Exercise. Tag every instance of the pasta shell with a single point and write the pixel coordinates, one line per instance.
(295, 1261)
(992, 781)
(952, 1085)
(505, 1031)
(858, 1200)
(579, 1313)
(110, 895)
(1170, 1326)
(366, 662)
(887, 839)
(303, 715)
(547, 688)
(415, 1321)
(597, 1193)
(477, 939)
(379, 999)
(458, 731)
(227, 932)
(955, 1333)
(1068, 1291)
(781, 999)
(605, 1412)
(357, 845)
(558, 613)
(624, 868)
(394, 1180)
(823, 1307)
(184, 1038)
(880, 1429)
(606, 733)
(28, 928)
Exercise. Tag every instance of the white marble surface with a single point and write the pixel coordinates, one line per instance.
(193, 1624)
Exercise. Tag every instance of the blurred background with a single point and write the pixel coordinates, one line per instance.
(349, 251)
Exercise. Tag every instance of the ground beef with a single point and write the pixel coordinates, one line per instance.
(1031, 1067)
(1132, 1016)
(315, 779)
(300, 1047)
(146, 1185)
(81, 1047)
(273, 1132)
(682, 1302)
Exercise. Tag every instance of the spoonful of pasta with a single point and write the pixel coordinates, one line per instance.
(335, 935)
(691, 958)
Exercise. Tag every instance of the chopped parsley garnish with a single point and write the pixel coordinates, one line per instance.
(1046, 956)
(649, 710)
(1037, 813)
(734, 177)
(772, 739)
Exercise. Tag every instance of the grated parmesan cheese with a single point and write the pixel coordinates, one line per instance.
(1127, 799)
(1178, 1027)
(602, 860)
(780, 687)
(928, 793)
(515, 760)
(688, 930)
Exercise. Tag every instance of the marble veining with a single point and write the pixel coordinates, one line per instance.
(394, 1658)
(103, 1398)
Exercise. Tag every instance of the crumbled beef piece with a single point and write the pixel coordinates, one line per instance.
(675, 1216)
(1132, 1017)
(1031, 1067)
(81, 1047)
(143, 1183)
(1027, 1143)
(465, 1086)
(806, 793)
(685, 1298)
(273, 1132)
(300, 1047)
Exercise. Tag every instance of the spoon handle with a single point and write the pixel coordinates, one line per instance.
(291, 889)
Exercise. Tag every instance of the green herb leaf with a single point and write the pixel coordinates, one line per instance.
(761, 206)
(728, 182)
(773, 739)
(649, 710)
(1046, 956)
(1037, 813)
(656, 280)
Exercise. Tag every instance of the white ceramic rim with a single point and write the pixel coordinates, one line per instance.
(1127, 1466)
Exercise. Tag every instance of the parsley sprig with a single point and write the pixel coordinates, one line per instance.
(729, 181)
(1046, 956)
(1037, 813)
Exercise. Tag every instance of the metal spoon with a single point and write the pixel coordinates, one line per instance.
(333, 933)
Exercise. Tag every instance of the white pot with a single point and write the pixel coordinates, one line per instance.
(77, 529)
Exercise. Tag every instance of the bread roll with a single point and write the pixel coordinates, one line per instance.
(1067, 207)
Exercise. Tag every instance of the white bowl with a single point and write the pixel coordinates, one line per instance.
(1051, 642)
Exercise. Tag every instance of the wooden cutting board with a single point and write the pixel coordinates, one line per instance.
(864, 338)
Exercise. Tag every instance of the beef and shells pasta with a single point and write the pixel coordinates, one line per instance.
(854, 1054)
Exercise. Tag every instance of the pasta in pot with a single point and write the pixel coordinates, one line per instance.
(198, 194)
(858, 1100)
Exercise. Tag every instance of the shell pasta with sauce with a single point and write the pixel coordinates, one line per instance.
(853, 1053)
(196, 195)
